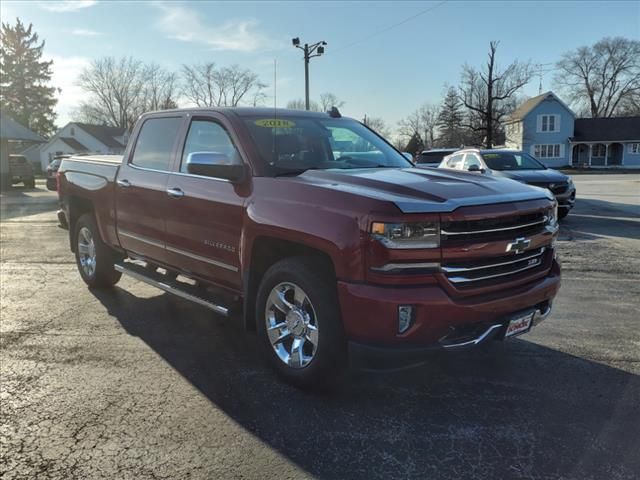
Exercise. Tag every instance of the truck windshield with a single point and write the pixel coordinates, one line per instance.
(511, 161)
(291, 145)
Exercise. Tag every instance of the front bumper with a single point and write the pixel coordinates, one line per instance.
(567, 199)
(370, 315)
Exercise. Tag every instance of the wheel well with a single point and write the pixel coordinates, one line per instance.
(267, 251)
(77, 207)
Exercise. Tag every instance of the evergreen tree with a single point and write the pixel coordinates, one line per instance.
(24, 79)
(450, 120)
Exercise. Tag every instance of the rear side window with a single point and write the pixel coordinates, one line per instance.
(155, 143)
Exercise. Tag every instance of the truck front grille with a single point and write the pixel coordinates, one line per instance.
(489, 229)
(557, 188)
(476, 273)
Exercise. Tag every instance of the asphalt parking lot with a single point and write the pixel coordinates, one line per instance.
(134, 383)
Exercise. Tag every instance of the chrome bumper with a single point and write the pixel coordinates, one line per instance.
(490, 332)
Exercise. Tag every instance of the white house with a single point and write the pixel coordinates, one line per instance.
(77, 138)
(547, 128)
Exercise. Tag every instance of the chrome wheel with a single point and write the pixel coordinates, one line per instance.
(87, 252)
(292, 325)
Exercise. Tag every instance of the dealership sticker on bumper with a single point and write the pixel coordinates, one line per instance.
(519, 324)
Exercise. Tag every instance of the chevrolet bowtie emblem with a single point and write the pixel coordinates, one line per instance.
(519, 245)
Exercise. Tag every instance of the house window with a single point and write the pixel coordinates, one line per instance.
(547, 151)
(73, 132)
(598, 151)
(634, 148)
(548, 123)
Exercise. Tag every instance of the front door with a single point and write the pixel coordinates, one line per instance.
(204, 216)
(141, 188)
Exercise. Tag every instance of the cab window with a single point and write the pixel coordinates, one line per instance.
(454, 161)
(208, 136)
(471, 159)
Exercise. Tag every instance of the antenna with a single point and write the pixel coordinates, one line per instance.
(538, 68)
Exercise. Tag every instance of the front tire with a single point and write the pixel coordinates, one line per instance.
(299, 324)
(562, 213)
(94, 258)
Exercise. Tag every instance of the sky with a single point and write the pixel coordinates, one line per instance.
(384, 59)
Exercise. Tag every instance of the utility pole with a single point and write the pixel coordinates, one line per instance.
(310, 51)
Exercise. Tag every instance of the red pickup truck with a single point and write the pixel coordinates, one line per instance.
(314, 231)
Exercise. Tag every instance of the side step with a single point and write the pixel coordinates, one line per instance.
(175, 287)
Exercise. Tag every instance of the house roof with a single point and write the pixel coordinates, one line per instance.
(616, 129)
(12, 130)
(73, 143)
(104, 133)
(525, 107)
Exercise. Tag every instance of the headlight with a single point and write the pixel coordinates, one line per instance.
(552, 215)
(407, 235)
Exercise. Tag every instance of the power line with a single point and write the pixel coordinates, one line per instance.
(386, 29)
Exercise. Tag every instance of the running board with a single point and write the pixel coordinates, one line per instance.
(179, 289)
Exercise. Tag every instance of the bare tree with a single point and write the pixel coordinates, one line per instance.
(378, 125)
(603, 79)
(421, 125)
(122, 89)
(299, 104)
(208, 86)
(115, 87)
(160, 88)
(487, 93)
(328, 100)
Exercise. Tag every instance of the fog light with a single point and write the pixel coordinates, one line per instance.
(405, 317)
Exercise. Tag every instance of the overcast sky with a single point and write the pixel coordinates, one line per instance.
(379, 69)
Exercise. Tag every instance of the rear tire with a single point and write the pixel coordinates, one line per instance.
(296, 295)
(563, 213)
(94, 258)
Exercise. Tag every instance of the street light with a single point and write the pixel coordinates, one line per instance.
(310, 51)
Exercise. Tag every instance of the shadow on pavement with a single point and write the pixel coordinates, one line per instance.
(514, 410)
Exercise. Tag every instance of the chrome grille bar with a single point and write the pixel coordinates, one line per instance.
(483, 267)
(459, 280)
(503, 229)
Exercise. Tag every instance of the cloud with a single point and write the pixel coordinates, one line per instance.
(84, 32)
(181, 23)
(66, 5)
(65, 75)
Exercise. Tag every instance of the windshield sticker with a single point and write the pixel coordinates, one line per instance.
(275, 123)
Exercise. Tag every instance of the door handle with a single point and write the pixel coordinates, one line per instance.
(175, 192)
(123, 183)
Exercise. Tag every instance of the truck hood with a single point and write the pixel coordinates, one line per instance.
(416, 190)
(533, 176)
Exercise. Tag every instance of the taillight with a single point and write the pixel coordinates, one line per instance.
(58, 180)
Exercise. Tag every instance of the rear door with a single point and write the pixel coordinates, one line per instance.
(141, 187)
(204, 216)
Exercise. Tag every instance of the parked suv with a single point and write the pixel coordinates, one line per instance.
(21, 171)
(316, 232)
(519, 166)
(433, 157)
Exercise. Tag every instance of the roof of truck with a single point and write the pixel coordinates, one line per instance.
(250, 111)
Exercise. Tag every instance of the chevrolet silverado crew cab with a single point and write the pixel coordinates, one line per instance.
(314, 231)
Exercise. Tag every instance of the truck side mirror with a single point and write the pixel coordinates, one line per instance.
(214, 164)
